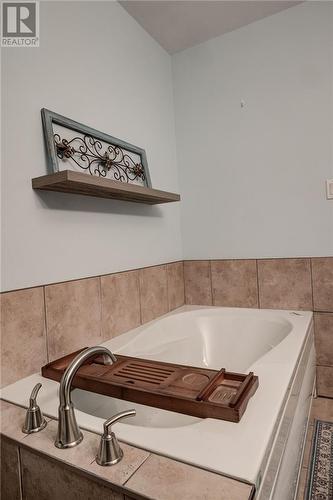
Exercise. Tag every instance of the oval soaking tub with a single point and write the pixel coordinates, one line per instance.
(276, 345)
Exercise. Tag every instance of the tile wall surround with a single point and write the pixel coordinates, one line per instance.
(42, 323)
(290, 283)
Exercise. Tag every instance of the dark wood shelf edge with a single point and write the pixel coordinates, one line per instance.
(69, 181)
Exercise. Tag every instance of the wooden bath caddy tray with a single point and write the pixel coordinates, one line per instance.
(184, 389)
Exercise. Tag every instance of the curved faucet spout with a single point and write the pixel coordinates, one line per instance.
(69, 433)
(66, 382)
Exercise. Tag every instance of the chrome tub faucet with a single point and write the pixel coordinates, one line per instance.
(69, 433)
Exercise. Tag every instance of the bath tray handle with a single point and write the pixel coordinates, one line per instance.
(242, 388)
(210, 387)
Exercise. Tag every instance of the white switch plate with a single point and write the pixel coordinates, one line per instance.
(329, 189)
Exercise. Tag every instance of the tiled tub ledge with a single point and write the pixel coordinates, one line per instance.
(35, 468)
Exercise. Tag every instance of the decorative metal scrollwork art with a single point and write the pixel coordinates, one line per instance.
(94, 152)
(89, 154)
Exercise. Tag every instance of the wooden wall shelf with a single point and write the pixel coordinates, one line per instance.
(69, 181)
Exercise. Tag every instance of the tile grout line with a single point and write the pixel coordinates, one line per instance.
(46, 326)
(258, 284)
(139, 290)
(314, 329)
(311, 278)
(100, 309)
(136, 470)
(167, 286)
(183, 265)
(211, 281)
(185, 295)
(257, 276)
(324, 397)
(20, 471)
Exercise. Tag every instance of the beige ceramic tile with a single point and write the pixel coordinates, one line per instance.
(322, 409)
(322, 279)
(153, 292)
(198, 286)
(23, 349)
(325, 381)
(323, 323)
(80, 456)
(12, 420)
(73, 313)
(120, 303)
(176, 296)
(285, 284)
(118, 474)
(45, 479)
(10, 475)
(234, 283)
(165, 479)
(302, 484)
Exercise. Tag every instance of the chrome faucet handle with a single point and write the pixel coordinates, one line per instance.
(109, 452)
(34, 419)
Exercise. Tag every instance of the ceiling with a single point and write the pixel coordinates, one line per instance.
(177, 24)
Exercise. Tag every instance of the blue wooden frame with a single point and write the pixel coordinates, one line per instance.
(49, 118)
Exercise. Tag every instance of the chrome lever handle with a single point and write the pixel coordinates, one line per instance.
(34, 419)
(112, 420)
(33, 395)
(109, 452)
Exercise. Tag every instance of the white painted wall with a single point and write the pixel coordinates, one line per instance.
(253, 178)
(96, 65)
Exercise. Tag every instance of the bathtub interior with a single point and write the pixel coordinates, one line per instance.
(208, 339)
(146, 416)
(199, 338)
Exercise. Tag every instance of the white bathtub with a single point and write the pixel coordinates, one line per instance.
(276, 345)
